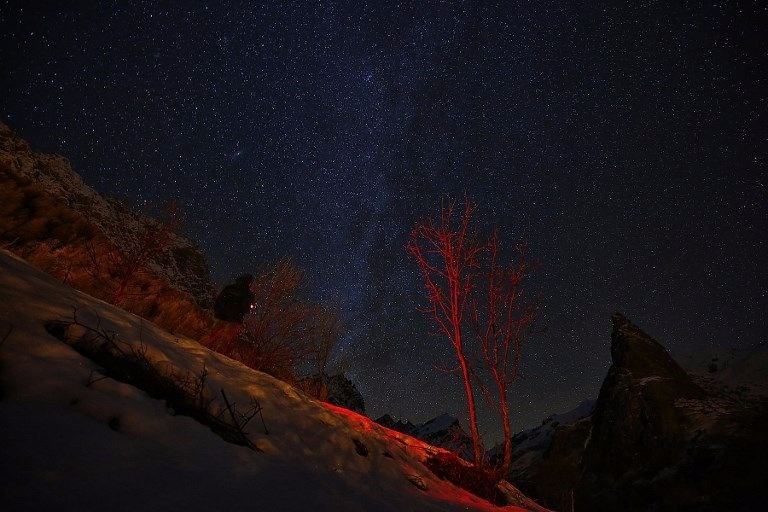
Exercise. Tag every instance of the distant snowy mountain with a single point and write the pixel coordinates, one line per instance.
(742, 374)
(539, 438)
(444, 431)
(100, 409)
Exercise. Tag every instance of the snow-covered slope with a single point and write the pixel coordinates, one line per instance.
(72, 442)
(538, 438)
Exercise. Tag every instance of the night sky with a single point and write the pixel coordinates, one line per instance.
(627, 144)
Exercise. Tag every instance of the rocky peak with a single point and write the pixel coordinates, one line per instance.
(655, 440)
(642, 357)
(638, 427)
(342, 392)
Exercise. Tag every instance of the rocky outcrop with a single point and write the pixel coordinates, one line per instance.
(181, 263)
(637, 426)
(344, 393)
(335, 389)
(655, 441)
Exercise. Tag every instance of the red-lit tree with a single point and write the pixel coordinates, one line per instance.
(447, 253)
(501, 316)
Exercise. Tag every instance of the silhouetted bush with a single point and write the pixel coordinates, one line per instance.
(284, 334)
(479, 481)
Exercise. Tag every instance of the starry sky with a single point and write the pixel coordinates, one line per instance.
(626, 142)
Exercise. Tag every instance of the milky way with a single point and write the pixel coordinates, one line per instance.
(627, 145)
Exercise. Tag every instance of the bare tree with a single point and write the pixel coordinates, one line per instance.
(328, 330)
(501, 316)
(285, 332)
(447, 254)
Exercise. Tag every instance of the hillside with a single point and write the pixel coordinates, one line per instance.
(181, 263)
(53, 219)
(78, 435)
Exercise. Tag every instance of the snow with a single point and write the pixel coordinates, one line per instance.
(60, 452)
(438, 424)
(646, 380)
(540, 435)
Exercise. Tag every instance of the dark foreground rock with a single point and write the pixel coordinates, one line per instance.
(656, 440)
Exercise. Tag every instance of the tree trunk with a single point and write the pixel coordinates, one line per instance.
(507, 461)
(473, 431)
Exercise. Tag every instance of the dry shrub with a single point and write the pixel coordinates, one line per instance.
(185, 393)
(28, 214)
(63, 242)
(285, 334)
(479, 481)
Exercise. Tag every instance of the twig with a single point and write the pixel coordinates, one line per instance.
(185, 392)
(91, 380)
(266, 431)
(230, 408)
(108, 336)
(11, 327)
(240, 424)
(256, 408)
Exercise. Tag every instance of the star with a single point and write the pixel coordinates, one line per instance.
(627, 154)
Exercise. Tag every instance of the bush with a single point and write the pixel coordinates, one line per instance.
(479, 481)
(285, 334)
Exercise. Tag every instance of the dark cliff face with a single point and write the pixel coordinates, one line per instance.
(656, 441)
(550, 471)
(636, 425)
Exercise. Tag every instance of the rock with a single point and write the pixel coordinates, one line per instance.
(636, 425)
(335, 389)
(655, 441)
(417, 481)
